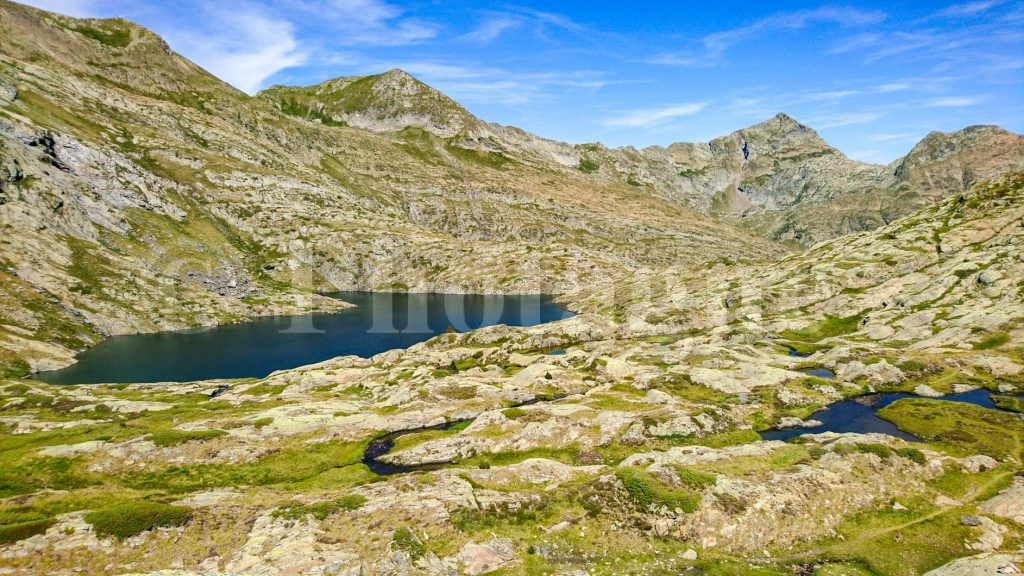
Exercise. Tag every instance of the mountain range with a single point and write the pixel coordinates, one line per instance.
(727, 294)
(141, 193)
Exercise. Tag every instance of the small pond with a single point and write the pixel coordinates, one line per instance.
(859, 415)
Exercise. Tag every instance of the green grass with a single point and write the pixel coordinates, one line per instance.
(967, 427)
(827, 328)
(588, 166)
(111, 33)
(405, 541)
(264, 390)
(992, 341)
(1011, 403)
(131, 518)
(908, 551)
(22, 522)
(513, 413)
(407, 441)
(321, 510)
(292, 463)
(726, 438)
(165, 438)
(487, 159)
(645, 491)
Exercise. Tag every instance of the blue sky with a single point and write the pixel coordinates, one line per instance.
(872, 78)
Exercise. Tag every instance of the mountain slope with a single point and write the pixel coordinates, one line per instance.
(382, 103)
(777, 178)
(781, 180)
(141, 193)
(634, 452)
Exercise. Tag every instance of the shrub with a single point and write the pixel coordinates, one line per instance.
(880, 450)
(22, 522)
(131, 518)
(827, 328)
(261, 422)
(637, 485)
(694, 478)
(992, 341)
(513, 413)
(844, 449)
(407, 542)
(14, 532)
(175, 437)
(645, 491)
(913, 454)
(588, 166)
(320, 510)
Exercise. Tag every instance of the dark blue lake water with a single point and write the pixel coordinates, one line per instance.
(858, 415)
(379, 322)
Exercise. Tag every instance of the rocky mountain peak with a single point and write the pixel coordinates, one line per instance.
(387, 102)
(783, 130)
(958, 159)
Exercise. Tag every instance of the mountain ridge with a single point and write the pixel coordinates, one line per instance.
(777, 177)
(140, 194)
(224, 206)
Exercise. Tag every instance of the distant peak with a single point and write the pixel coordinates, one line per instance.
(782, 124)
(783, 119)
(398, 73)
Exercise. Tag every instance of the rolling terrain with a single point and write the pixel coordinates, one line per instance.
(722, 289)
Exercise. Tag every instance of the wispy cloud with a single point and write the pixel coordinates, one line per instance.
(956, 101)
(837, 120)
(830, 95)
(551, 19)
(843, 16)
(493, 27)
(653, 116)
(892, 87)
(713, 46)
(365, 22)
(967, 9)
(248, 47)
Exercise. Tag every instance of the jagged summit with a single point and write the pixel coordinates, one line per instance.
(382, 102)
(781, 134)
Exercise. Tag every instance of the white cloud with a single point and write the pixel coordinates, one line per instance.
(837, 120)
(967, 9)
(843, 16)
(492, 28)
(830, 96)
(892, 87)
(359, 22)
(956, 101)
(248, 45)
(650, 117)
(715, 45)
